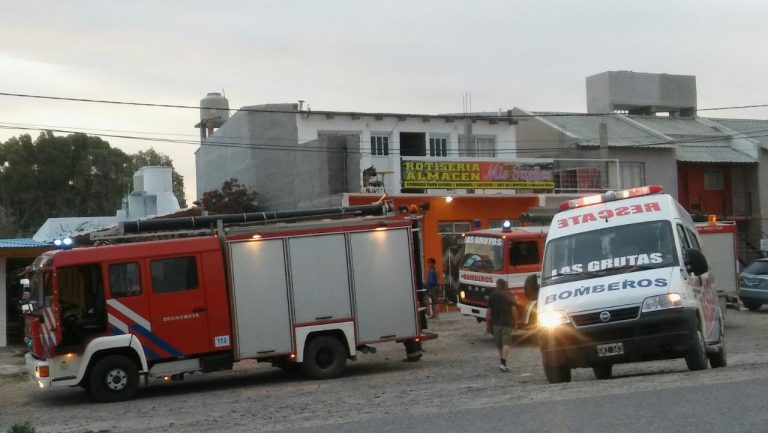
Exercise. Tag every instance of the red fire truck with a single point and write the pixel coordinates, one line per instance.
(718, 241)
(509, 253)
(307, 294)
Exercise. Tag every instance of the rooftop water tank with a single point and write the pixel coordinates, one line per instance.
(214, 110)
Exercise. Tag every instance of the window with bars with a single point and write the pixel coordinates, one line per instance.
(632, 174)
(438, 146)
(379, 145)
(479, 146)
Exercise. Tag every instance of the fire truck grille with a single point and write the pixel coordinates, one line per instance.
(615, 315)
(475, 293)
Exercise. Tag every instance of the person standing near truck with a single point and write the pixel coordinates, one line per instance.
(501, 305)
(432, 286)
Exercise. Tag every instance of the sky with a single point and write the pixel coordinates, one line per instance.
(409, 56)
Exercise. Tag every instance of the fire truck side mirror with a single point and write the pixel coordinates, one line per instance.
(531, 287)
(24, 282)
(27, 308)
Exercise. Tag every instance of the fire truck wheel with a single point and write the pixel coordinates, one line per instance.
(696, 356)
(324, 358)
(557, 373)
(603, 371)
(114, 378)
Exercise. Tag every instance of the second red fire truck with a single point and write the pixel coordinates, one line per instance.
(509, 253)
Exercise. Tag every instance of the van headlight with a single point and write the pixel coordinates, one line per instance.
(551, 319)
(662, 302)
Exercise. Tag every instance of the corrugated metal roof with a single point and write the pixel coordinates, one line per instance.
(709, 153)
(587, 129)
(751, 128)
(675, 126)
(21, 243)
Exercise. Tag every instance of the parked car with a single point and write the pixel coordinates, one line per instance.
(753, 284)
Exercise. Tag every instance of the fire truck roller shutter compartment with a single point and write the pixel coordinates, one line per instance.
(384, 285)
(260, 288)
(320, 278)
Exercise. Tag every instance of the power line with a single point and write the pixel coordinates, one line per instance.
(393, 151)
(261, 110)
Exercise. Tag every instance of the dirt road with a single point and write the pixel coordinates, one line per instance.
(459, 370)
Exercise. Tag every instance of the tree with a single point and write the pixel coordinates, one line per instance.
(74, 175)
(233, 197)
(153, 158)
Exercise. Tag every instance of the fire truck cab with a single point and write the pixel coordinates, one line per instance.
(509, 253)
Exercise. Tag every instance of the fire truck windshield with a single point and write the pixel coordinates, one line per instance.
(622, 249)
(483, 253)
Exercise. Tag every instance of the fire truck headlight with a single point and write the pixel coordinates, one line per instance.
(462, 295)
(551, 319)
(662, 302)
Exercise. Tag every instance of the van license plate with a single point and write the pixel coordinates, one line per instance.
(610, 349)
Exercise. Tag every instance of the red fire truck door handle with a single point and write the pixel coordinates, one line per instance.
(198, 310)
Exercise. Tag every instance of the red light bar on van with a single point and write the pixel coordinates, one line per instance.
(610, 196)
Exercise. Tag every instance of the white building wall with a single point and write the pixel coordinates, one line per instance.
(309, 126)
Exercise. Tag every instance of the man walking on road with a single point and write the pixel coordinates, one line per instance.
(501, 304)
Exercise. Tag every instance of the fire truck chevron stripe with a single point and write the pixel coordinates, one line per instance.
(149, 353)
(50, 319)
(130, 314)
(117, 323)
(156, 340)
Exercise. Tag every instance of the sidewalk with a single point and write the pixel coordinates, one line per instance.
(11, 360)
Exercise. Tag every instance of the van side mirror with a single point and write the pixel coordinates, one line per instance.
(531, 287)
(695, 262)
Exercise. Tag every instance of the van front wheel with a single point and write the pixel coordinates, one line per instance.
(557, 373)
(603, 371)
(696, 356)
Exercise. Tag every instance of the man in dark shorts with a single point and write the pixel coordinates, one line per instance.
(503, 319)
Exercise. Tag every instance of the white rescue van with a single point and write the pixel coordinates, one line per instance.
(624, 280)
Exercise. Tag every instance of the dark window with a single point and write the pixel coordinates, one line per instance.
(524, 253)
(174, 275)
(124, 280)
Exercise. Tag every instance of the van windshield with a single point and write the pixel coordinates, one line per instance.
(483, 253)
(610, 251)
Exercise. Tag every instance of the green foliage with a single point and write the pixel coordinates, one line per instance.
(233, 197)
(22, 428)
(66, 176)
(74, 175)
(152, 157)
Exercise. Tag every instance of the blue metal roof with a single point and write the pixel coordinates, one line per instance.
(22, 243)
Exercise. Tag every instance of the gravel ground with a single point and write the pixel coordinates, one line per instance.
(458, 370)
